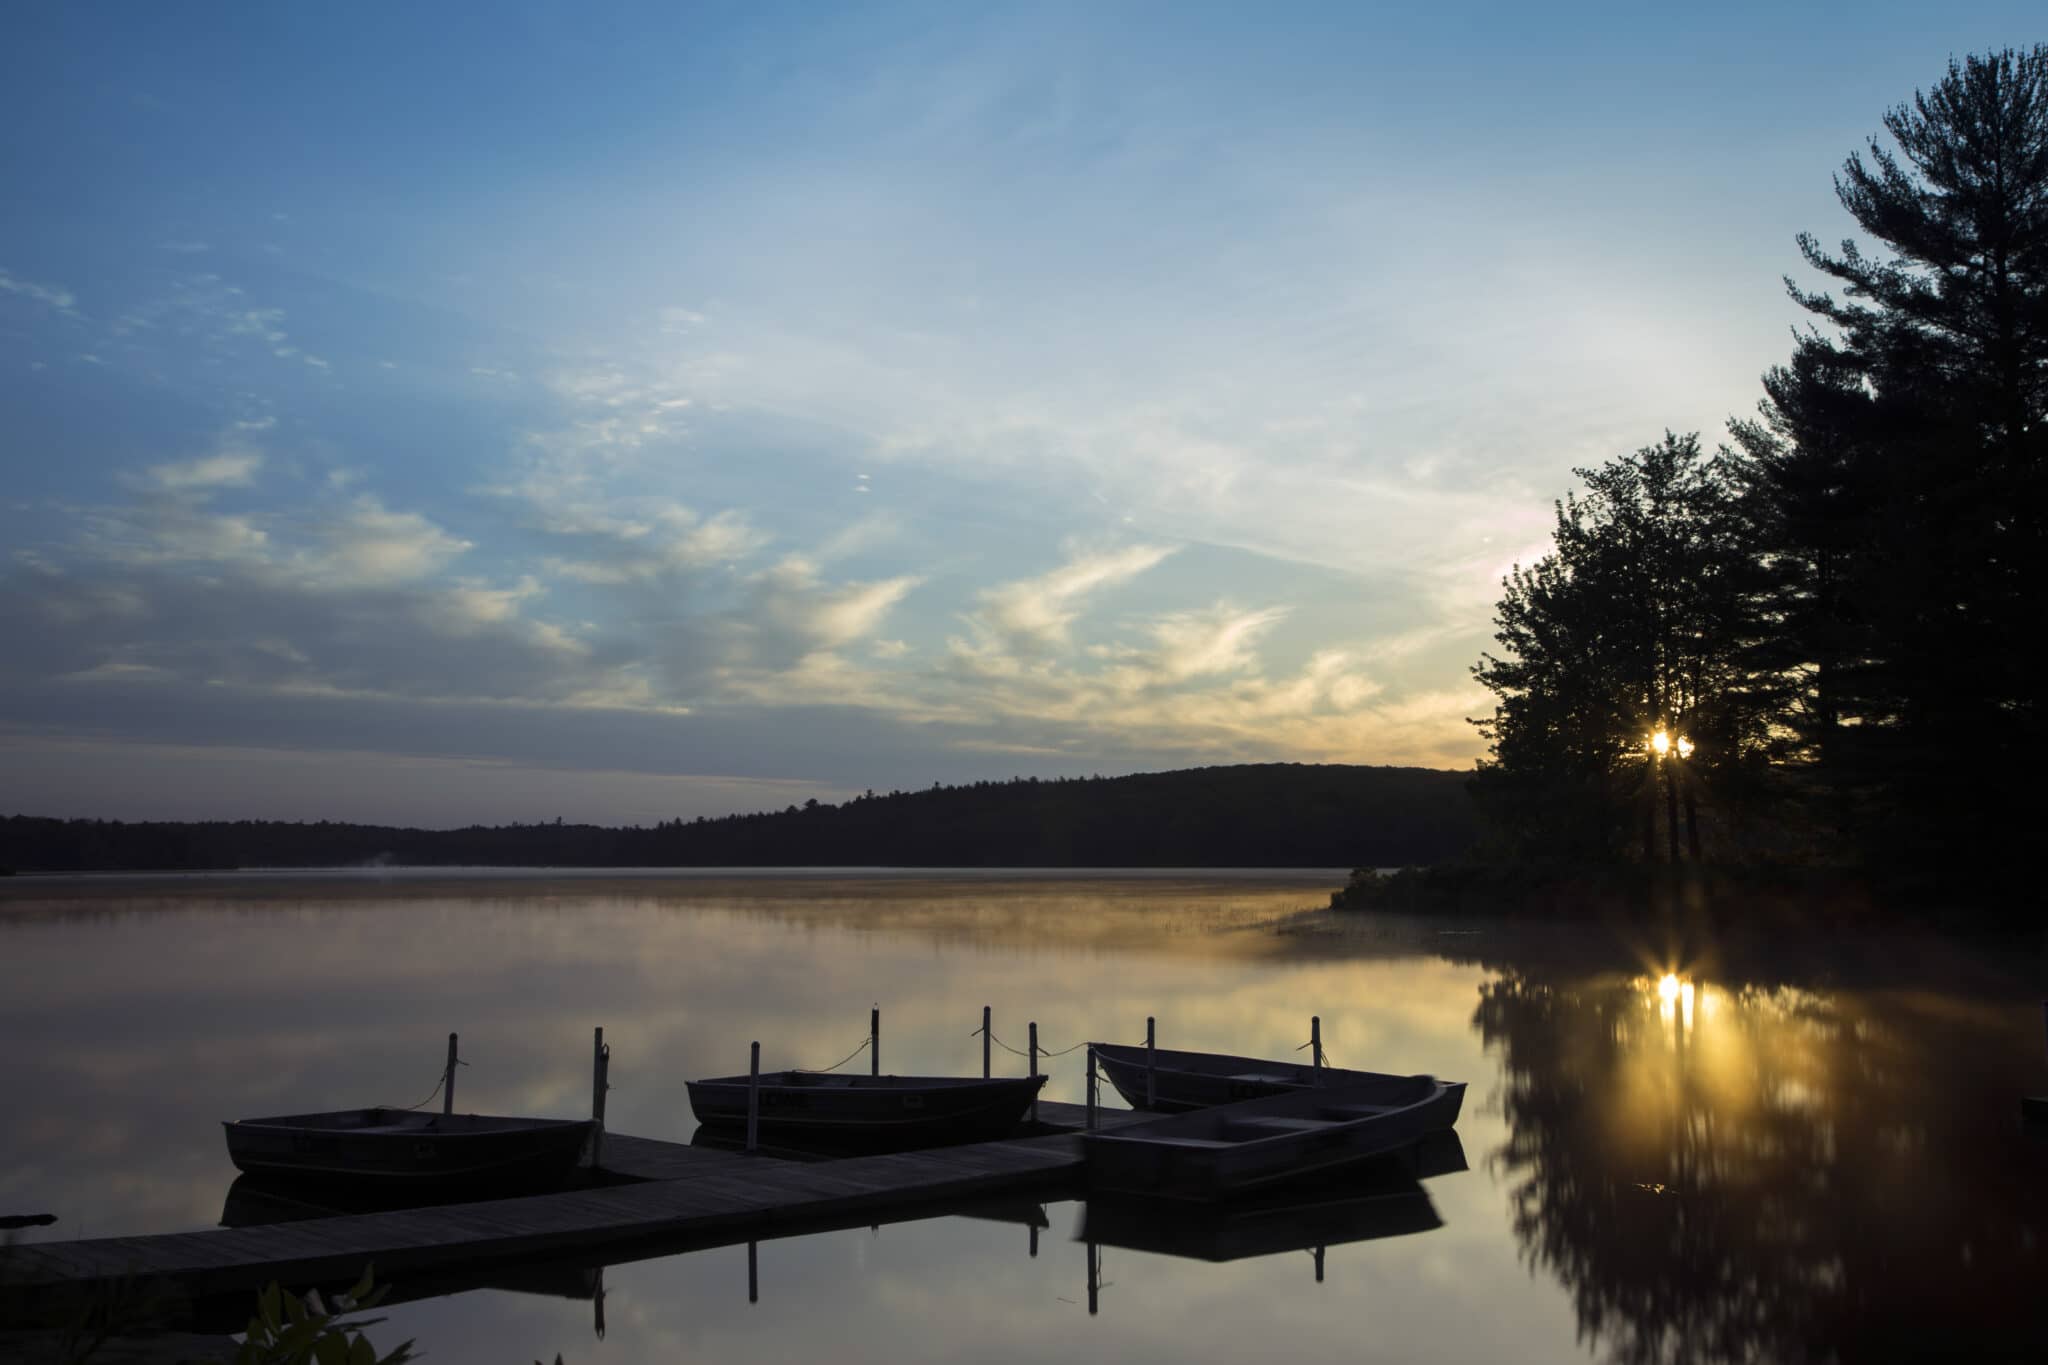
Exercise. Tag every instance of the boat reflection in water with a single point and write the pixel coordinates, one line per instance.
(1378, 1199)
(1381, 1199)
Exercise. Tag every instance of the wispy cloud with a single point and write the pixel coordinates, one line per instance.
(672, 539)
(56, 296)
(229, 469)
(1186, 645)
(782, 643)
(370, 545)
(1034, 615)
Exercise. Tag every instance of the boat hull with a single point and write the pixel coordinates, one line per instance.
(400, 1148)
(868, 1110)
(1262, 1144)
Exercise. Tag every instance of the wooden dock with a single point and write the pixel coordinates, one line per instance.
(679, 1198)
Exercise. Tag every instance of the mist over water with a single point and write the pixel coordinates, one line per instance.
(1795, 1156)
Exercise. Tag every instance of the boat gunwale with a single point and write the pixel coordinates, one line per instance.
(1127, 1054)
(512, 1125)
(820, 1081)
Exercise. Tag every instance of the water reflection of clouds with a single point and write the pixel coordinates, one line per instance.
(136, 1033)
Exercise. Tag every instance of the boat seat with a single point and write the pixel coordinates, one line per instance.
(1274, 1126)
(1187, 1142)
(1358, 1111)
(1265, 1078)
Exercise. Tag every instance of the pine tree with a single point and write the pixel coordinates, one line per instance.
(1641, 619)
(1902, 456)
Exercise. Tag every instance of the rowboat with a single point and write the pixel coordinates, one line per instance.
(403, 1147)
(1180, 1081)
(1256, 1144)
(899, 1111)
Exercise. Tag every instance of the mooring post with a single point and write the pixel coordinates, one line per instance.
(1315, 1045)
(1034, 1237)
(600, 1082)
(1091, 1095)
(448, 1080)
(984, 1042)
(1034, 1069)
(753, 1116)
(875, 1041)
(1151, 1064)
(1094, 1276)
(753, 1276)
(1319, 1265)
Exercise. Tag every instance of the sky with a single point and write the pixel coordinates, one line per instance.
(476, 413)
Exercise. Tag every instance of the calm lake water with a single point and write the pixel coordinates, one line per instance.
(1805, 1152)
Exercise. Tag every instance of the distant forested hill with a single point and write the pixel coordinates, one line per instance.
(1257, 815)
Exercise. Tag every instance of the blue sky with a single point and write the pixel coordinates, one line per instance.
(500, 412)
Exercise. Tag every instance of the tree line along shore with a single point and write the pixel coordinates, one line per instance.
(1253, 815)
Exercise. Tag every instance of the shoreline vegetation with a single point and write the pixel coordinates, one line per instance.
(1251, 815)
(1785, 676)
(1563, 891)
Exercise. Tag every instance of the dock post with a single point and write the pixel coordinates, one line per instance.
(1094, 1276)
(753, 1114)
(1091, 1090)
(1315, 1045)
(1034, 1236)
(875, 1041)
(753, 1276)
(1151, 1064)
(984, 1042)
(1319, 1265)
(600, 1082)
(448, 1079)
(1034, 1069)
